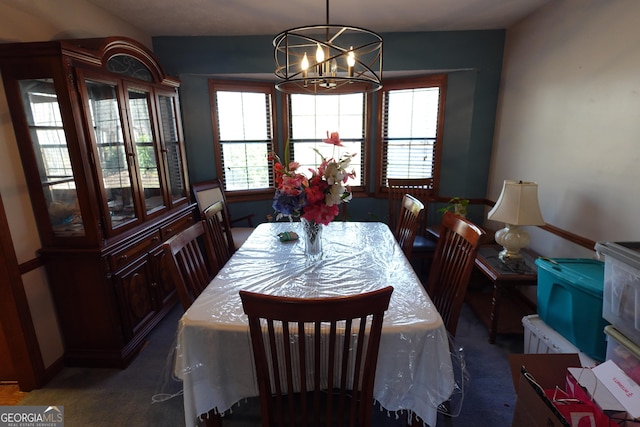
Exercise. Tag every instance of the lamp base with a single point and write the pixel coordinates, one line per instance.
(512, 238)
(507, 256)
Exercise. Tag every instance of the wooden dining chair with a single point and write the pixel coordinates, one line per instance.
(207, 193)
(452, 266)
(190, 263)
(315, 358)
(422, 189)
(411, 212)
(219, 231)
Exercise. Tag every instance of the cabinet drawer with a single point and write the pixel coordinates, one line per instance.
(129, 253)
(176, 226)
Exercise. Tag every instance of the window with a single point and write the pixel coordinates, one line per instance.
(243, 136)
(312, 116)
(412, 112)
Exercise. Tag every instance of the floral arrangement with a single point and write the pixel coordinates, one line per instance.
(315, 198)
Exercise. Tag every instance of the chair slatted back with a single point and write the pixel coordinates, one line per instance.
(420, 188)
(409, 217)
(207, 193)
(325, 376)
(219, 232)
(452, 266)
(191, 266)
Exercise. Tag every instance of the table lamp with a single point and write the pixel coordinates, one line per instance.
(516, 206)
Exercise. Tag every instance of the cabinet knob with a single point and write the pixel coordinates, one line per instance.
(123, 257)
(169, 230)
(155, 238)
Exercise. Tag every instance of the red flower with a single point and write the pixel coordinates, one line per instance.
(320, 213)
(316, 190)
(333, 139)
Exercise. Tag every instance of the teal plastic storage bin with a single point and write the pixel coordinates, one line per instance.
(570, 301)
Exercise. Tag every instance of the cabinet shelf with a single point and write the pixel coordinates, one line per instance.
(53, 180)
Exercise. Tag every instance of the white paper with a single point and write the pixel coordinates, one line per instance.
(601, 395)
(623, 388)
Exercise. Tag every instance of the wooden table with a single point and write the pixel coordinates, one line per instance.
(213, 355)
(502, 274)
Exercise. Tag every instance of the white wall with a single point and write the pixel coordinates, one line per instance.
(569, 118)
(22, 21)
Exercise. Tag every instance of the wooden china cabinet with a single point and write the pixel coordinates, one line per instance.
(99, 134)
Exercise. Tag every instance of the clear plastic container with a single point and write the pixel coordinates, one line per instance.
(623, 352)
(621, 299)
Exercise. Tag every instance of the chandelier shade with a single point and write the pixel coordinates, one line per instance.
(325, 59)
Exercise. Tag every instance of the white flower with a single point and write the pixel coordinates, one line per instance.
(334, 195)
(333, 173)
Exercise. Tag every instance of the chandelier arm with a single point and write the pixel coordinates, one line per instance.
(286, 67)
(341, 82)
(314, 42)
(367, 66)
(298, 31)
(361, 48)
(338, 34)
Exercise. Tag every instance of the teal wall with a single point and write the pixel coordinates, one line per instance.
(473, 60)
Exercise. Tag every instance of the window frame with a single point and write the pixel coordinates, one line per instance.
(374, 105)
(266, 88)
(434, 80)
(360, 190)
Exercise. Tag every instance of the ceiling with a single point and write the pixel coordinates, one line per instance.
(269, 17)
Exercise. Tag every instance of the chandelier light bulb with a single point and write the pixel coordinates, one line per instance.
(320, 59)
(351, 58)
(319, 54)
(351, 61)
(304, 65)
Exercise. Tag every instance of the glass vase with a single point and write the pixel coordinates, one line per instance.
(312, 235)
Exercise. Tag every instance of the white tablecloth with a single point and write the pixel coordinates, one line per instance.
(214, 357)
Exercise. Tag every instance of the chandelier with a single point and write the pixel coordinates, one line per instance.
(323, 59)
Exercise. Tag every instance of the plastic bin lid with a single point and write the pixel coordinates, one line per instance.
(583, 273)
(627, 252)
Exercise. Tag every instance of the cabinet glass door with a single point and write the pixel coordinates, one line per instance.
(171, 141)
(145, 148)
(52, 156)
(112, 153)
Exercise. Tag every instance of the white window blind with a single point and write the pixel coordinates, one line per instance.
(244, 136)
(312, 116)
(410, 132)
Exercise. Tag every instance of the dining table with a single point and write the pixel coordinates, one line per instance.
(213, 347)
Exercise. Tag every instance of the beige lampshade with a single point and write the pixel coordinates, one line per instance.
(517, 204)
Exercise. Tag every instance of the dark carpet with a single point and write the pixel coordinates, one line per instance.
(490, 397)
(109, 397)
(114, 397)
